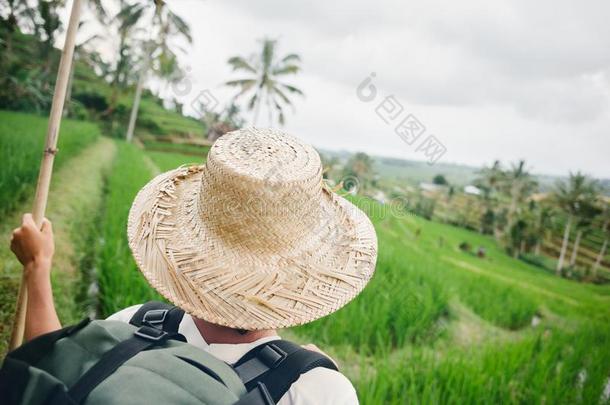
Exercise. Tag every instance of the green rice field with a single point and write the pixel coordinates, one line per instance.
(435, 325)
(21, 144)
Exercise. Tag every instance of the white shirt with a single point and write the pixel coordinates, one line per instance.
(320, 386)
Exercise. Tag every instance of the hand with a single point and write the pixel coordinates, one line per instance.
(34, 247)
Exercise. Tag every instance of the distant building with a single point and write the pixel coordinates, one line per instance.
(472, 190)
(537, 197)
(431, 187)
(380, 197)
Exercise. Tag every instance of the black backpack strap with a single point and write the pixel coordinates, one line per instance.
(31, 352)
(144, 338)
(160, 315)
(277, 365)
(257, 396)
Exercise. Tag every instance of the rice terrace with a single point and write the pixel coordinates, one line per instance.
(492, 282)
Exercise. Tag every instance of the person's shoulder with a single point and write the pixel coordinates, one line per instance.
(321, 386)
(124, 315)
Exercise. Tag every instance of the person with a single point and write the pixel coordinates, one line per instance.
(248, 243)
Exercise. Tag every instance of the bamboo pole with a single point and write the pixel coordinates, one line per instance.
(46, 166)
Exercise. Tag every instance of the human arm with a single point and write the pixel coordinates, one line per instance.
(35, 248)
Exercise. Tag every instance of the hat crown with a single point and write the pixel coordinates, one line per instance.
(261, 185)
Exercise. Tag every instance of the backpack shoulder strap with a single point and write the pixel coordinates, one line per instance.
(160, 315)
(277, 365)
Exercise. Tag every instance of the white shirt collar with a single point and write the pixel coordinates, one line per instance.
(229, 353)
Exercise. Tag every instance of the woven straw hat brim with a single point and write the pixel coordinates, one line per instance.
(219, 280)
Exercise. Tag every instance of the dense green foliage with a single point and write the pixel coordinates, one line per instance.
(27, 85)
(21, 143)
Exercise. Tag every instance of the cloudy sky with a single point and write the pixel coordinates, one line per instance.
(489, 79)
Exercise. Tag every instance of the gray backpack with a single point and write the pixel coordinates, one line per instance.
(147, 362)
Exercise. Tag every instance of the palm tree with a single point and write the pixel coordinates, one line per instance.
(18, 12)
(490, 178)
(80, 50)
(126, 21)
(605, 215)
(544, 223)
(570, 196)
(218, 124)
(518, 183)
(358, 172)
(158, 55)
(81, 53)
(264, 85)
(586, 216)
(518, 234)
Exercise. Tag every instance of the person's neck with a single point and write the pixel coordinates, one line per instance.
(213, 333)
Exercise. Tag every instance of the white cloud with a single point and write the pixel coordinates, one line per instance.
(503, 79)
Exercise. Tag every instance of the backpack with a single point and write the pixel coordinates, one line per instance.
(146, 361)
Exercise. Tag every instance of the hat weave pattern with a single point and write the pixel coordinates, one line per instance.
(252, 239)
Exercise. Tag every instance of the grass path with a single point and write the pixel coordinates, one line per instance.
(470, 267)
(73, 207)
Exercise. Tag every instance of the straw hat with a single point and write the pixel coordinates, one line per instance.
(253, 239)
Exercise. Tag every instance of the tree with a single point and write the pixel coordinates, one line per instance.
(17, 11)
(517, 236)
(543, 225)
(490, 179)
(80, 50)
(47, 24)
(125, 20)
(358, 172)
(605, 217)
(440, 180)
(81, 53)
(218, 124)
(487, 222)
(586, 216)
(571, 196)
(518, 184)
(329, 163)
(157, 54)
(264, 85)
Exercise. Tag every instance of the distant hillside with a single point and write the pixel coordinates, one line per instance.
(415, 172)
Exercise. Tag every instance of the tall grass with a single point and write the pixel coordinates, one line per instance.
(497, 303)
(475, 283)
(21, 142)
(187, 149)
(403, 303)
(548, 367)
(168, 161)
(121, 283)
(409, 294)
